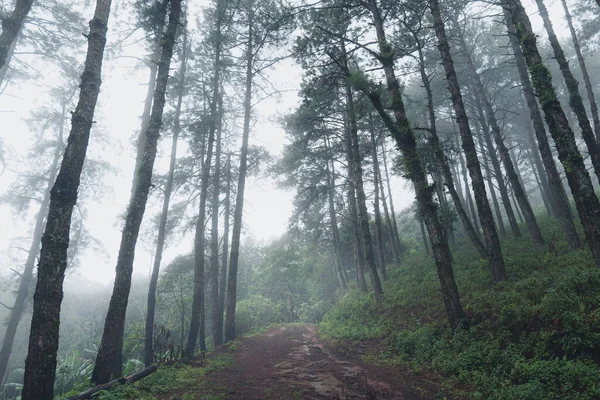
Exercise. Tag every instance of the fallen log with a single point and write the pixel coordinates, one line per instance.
(120, 381)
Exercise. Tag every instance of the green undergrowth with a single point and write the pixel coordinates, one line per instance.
(536, 336)
(175, 382)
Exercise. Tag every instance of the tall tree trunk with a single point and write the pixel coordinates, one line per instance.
(18, 308)
(359, 258)
(40, 364)
(239, 201)
(483, 206)
(337, 255)
(579, 180)
(388, 220)
(153, 63)
(468, 197)
(511, 171)
(405, 139)
(378, 227)
(224, 262)
(111, 346)
(361, 202)
(217, 317)
(575, 100)
(394, 225)
(11, 25)
(197, 322)
(584, 72)
(443, 162)
(162, 225)
(488, 178)
(538, 170)
(560, 201)
(502, 188)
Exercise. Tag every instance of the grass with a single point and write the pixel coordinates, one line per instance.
(536, 336)
(169, 380)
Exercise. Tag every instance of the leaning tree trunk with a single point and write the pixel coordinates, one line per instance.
(378, 228)
(11, 25)
(443, 162)
(40, 364)
(111, 345)
(405, 139)
(584, 72)
(241, 186)
(579, 180)
(519, 192)
(7, 60)
(154, 61)
(217, 317)
(559, 199)
(198, 307)
(162, 225)
(18, 308)
(575, 100)
(361, 203)
(483, 206)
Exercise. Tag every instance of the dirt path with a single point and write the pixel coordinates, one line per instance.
(290, 362)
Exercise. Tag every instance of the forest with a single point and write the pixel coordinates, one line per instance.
(408, 187)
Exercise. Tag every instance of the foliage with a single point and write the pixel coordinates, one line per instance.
(534, 337)
(166, 380)
(256, 312)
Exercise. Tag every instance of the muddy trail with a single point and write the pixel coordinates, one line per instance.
(291, 362)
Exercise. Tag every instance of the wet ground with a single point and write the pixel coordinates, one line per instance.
(290, 362)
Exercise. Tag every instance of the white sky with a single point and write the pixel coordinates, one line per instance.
(267, 209)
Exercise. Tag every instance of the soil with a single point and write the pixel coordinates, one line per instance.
(291, 362)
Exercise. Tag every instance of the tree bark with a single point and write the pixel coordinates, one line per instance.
(405, 139)
(579, 180)
(40, 364)
(112, 336)
(11, 25)
(162, 225)
(217, 318)
(18, 308)
(230, 333)
(378, 227)
(575, 100)
(485, 213)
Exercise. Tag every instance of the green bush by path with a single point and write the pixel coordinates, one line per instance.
(536, 336)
